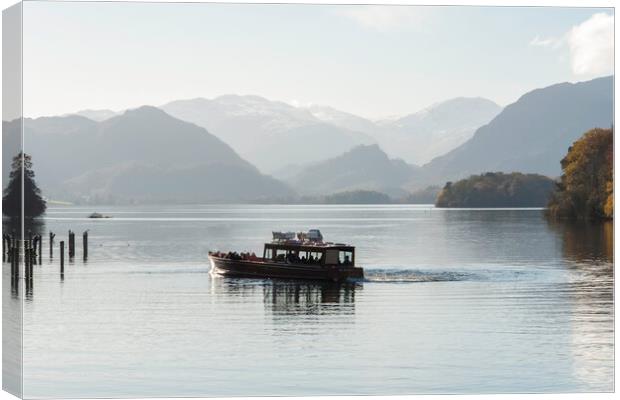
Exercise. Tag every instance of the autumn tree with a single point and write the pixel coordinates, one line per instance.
(34, 204)
(497, 189)
(585, 190)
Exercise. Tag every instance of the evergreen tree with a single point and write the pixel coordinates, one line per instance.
(34, 205)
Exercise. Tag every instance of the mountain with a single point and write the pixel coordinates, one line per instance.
(270, 134)
(421, 136)
(343, 119)
(142, 155)
(98, 115)
(365, 167)
(255, 127)
(532, 134)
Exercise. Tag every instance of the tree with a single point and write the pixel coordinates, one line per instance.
(586, 187)
(497, 189)
(34, 205)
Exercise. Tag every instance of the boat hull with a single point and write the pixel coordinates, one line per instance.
(266, 269)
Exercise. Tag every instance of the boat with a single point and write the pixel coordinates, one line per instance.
(97, 215)
(292, 256)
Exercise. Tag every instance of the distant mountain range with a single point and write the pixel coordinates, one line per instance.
(365, 167)
(143, 155)
(148, 155)
(531, 135)
(256, 127)
(97, 115)
(269, 134)
(253, 125)
(426, 134)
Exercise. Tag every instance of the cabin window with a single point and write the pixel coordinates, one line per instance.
(281, 254)
(317, 256)
(268, 254)
(345, 258)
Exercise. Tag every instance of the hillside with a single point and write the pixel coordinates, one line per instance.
(530, 135)
(362, 168)
(343, 119)
(497, 190)
(143, 154)
(431, 132)
(270, 134)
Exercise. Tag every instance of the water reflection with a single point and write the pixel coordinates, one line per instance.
(586, 243)
(283, 297)
(310, 298)
(11, 228)
(587, 248)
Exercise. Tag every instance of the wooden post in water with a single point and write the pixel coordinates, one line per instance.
(13, 259)
(85, 244)
(33, 250)
(16, 258)
(33, 257)
(52, 235)
(71, 244)
(10, 243)
(62, 257)
(40, 249)
(27, 259)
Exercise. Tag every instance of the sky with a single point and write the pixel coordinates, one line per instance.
(373, 61)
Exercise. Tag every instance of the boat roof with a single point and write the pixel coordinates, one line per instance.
(308, 245)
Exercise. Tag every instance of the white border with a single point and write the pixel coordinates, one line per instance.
(563, 3)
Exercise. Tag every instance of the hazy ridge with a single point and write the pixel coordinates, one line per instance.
(147, 155)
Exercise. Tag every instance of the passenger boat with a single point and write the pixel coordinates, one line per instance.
(292, 256)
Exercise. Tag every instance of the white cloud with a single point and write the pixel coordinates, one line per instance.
(387, 18)
(550, 42)
(591, 45)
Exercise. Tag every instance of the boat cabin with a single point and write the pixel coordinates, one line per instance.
(308, 249)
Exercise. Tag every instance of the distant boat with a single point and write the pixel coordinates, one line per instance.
(97, 215)
(304, 257)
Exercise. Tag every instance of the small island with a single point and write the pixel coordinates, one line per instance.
(497, 189)
(358, 197)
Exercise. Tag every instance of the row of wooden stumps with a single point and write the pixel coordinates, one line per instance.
(10, 250)
(33, 249)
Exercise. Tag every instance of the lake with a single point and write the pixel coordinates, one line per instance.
(454, 301)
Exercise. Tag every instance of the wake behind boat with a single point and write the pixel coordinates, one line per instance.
(292, 256)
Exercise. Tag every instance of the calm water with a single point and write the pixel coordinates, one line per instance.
(455, 301)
